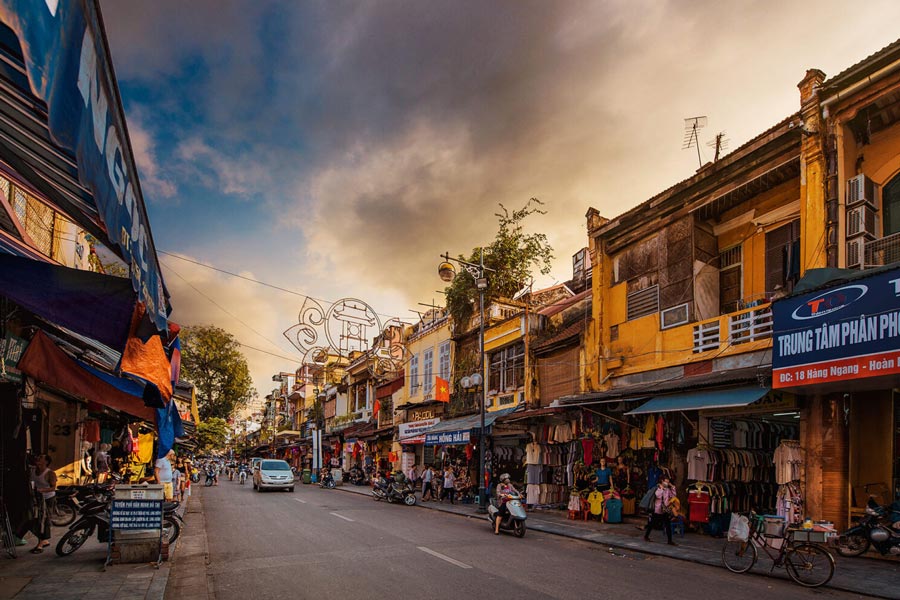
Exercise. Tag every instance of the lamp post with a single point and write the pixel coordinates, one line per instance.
(447, 273)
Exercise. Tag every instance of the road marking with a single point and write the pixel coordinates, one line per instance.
(452, 561)
(342, 517)
(300, 501)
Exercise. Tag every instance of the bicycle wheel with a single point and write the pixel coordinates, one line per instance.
(809, 565)
(738, 556)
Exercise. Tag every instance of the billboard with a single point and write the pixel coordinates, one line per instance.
(842, 333)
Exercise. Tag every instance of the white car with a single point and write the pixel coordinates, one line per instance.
(272, 473)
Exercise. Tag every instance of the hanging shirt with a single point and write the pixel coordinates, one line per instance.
(660, 432)
(612, 444)
(603, 476)
(697, 463)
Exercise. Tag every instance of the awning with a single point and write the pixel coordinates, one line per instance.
(92, 304)
(702, 399)
(458, 431)
(47, 363)
(288, 432)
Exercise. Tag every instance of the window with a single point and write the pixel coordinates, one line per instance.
(890, 204)
(414, 382)
(730, 279)
(642, 303)
(783, 258)
(507, 368)
(428, 369)
(444, 361)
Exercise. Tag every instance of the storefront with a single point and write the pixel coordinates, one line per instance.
(837, 346)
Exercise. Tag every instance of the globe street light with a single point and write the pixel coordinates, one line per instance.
(447, 272)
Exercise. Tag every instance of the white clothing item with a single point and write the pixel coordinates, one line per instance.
(697, 462)
(165, 470)
(533, 454)
(41, 481)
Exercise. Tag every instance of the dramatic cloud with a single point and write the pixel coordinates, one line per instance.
(338, 147)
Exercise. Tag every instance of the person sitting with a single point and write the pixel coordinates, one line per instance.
(501, 495)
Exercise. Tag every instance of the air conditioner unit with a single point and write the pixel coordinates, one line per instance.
(861, 220)
(677, 315)
(856, 253)
(860, 189)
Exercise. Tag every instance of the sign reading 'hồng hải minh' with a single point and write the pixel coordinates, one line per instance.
(847, 332)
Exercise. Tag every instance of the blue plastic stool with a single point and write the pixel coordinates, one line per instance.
(678, 526)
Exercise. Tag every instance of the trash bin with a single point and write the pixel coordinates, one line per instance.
(306, 477)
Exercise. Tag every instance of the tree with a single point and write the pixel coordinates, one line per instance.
(212, 433)
(512, 255)
(211, 359)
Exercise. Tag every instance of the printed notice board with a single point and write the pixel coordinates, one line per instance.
(136, 514)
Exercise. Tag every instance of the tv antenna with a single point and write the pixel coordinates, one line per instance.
(692, 127)
(720, 144)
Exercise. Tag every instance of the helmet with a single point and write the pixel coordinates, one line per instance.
(504, 478)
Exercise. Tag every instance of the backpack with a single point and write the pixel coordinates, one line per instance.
(648, 499)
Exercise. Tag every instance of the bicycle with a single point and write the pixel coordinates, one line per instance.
(806, 563)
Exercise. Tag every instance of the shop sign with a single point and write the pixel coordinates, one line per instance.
(447, 438)
(421, 414)
(413, 432)
(843, 333)
(11, 349)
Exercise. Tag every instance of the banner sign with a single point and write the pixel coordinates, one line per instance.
(136, 514)
(68, 68)
(409, 433)
(447, 438)
(843, 333)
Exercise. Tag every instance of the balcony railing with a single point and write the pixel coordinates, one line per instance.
(744, 326)
(883, 251)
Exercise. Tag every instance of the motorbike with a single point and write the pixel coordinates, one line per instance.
(69, 500)
(242, 477)
(878, 528)
(210, 478)
(393, 490)
(327, 480)
(514, 519)
(357, 476)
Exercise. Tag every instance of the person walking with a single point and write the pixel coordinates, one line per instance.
(661, 515)
(101, 463)
(427, 478)
(413, 476)
(43, 482)
(449, 485)
(165, 474)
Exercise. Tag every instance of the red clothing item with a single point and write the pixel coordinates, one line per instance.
(91, 431)
(588, 445)
(660, 427)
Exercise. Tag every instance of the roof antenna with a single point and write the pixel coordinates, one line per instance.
(720, 144)
(692, 127)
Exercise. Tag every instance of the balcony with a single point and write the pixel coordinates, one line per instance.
(748, 325)
(883, 251)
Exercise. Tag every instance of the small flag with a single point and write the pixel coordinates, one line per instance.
(441, 390)
(377, 407)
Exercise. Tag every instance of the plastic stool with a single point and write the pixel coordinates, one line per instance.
(678, 526)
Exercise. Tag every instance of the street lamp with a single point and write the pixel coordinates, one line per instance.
(447, 272)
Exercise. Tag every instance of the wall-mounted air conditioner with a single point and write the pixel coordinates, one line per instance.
(856, 253)
(861, 220)
(860, 189)
(677, 315)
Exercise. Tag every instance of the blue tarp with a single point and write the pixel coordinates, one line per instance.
(702, 399)
(68, 67)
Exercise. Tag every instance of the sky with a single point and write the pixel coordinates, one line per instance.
(336, 149)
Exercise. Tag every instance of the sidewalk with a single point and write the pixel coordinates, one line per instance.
(80, 575)
(872, 577)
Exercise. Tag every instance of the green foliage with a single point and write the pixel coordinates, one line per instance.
(512, 255)
(211, 359)
(212, 433)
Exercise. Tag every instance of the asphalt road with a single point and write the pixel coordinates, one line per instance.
(317, 543)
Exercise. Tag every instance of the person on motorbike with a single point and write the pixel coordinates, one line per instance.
(503, 491)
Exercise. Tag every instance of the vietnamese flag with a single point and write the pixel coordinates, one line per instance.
(441, 390)
(377, 407)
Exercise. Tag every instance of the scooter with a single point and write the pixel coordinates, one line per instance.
(873, 530)
(327, 480)
(401, 492)
(380, 489)
(94, 515)
(210, 478)
(242, 477)
(514, 519)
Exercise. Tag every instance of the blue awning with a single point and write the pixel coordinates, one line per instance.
(457, 431)
(701, 400)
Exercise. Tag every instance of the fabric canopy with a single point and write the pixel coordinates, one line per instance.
(44, 361)
(702, 399)
(92, 304)
(471, 422)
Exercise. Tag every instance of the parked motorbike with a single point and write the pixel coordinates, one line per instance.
(68, 501)
(327, 480)
(878, 528)
(514, 519)
(394, 490)
(210, 478)
(380, 488)
(357, 476)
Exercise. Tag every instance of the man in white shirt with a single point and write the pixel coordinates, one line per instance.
(164, 473)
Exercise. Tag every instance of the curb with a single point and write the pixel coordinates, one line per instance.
(636, 547)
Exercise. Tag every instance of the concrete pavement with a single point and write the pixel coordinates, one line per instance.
(872, 577)
(317, 543)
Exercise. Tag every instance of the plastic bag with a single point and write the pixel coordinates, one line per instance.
(739, 529)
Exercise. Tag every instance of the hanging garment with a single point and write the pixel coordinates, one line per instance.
(595, 500)
(612, 444)
(587, 444)
(91, 431)
(660, 432)
(144, 450)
